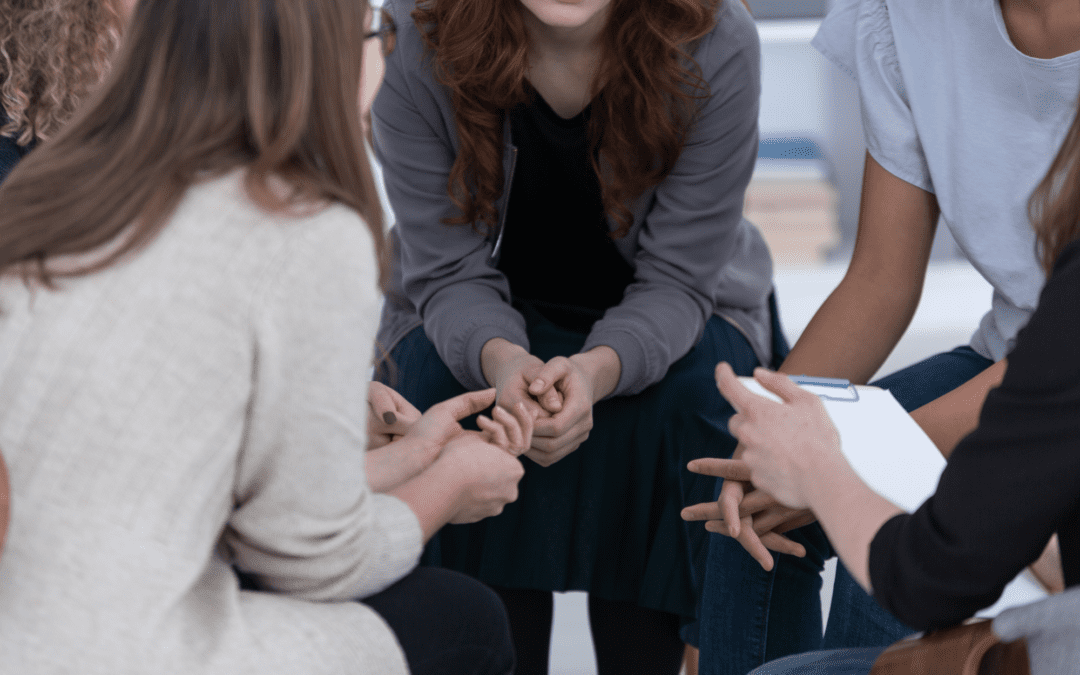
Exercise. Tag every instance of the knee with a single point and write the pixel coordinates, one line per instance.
(688, 392)
(483, 633)
(447, 622)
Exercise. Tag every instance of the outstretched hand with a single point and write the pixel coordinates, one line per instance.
(441, 422)
(408, 455)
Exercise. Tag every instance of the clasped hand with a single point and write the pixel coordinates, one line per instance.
(558, 395)
(771, 459)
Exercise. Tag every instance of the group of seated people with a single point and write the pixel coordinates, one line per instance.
(250, 428)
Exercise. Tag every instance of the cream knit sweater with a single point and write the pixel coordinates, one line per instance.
(198, 406)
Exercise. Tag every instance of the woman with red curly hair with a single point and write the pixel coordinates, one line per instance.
(52, 52)
(568, 180)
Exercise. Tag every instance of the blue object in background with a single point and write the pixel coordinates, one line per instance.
(787, 9)
(789, 147)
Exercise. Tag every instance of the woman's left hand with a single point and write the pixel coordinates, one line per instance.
(390, 416)
(788, 445)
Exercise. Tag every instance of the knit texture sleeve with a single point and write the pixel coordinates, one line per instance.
(306, 522)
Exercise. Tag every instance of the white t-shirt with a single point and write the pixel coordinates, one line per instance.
(951, 106)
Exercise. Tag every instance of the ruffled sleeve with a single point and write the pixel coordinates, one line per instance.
(857, 36)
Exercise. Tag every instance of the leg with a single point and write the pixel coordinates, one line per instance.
(630, 639)
(475, 642)
(693, 424)
(855, 619)
(530, 613)
(417, 372)
(750, 616)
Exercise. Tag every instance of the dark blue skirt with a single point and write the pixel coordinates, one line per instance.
(605, 519)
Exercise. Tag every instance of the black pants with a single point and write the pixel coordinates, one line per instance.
(447, 624)
(628, 639)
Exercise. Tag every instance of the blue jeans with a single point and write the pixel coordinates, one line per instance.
(750, 616)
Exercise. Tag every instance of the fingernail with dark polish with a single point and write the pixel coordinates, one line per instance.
(389, 417)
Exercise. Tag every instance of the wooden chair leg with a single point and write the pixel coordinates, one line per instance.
(690, 661)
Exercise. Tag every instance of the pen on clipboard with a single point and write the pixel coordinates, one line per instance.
(834, 382)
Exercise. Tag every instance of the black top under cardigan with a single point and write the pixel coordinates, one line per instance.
(1010, 485)
(557, 254)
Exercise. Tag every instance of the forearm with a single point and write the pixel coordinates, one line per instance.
(840, 341)
(863, 319)
(851, 515)
(947, 419)
(395, 463)
(432, 496)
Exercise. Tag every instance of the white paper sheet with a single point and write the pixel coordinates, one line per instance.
(896, 459)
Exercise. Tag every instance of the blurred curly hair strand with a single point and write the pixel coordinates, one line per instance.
(52, 53)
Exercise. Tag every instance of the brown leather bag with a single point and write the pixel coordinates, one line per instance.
(969, 649)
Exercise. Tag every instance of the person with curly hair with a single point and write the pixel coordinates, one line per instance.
(52, 53)
(568, 180)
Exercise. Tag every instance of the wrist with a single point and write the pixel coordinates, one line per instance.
(424, 452)
(496, 353)
(451, 480)
(826, 482)
(602, 368)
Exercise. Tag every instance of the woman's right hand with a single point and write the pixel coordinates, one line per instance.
(484, 475)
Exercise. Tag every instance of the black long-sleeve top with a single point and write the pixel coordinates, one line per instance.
(10, 151)
(1009, 485)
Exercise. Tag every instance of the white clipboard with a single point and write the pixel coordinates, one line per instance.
(893, 455)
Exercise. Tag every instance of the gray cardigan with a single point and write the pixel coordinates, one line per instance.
(693, 253)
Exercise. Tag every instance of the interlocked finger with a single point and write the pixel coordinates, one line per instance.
(493, 432)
